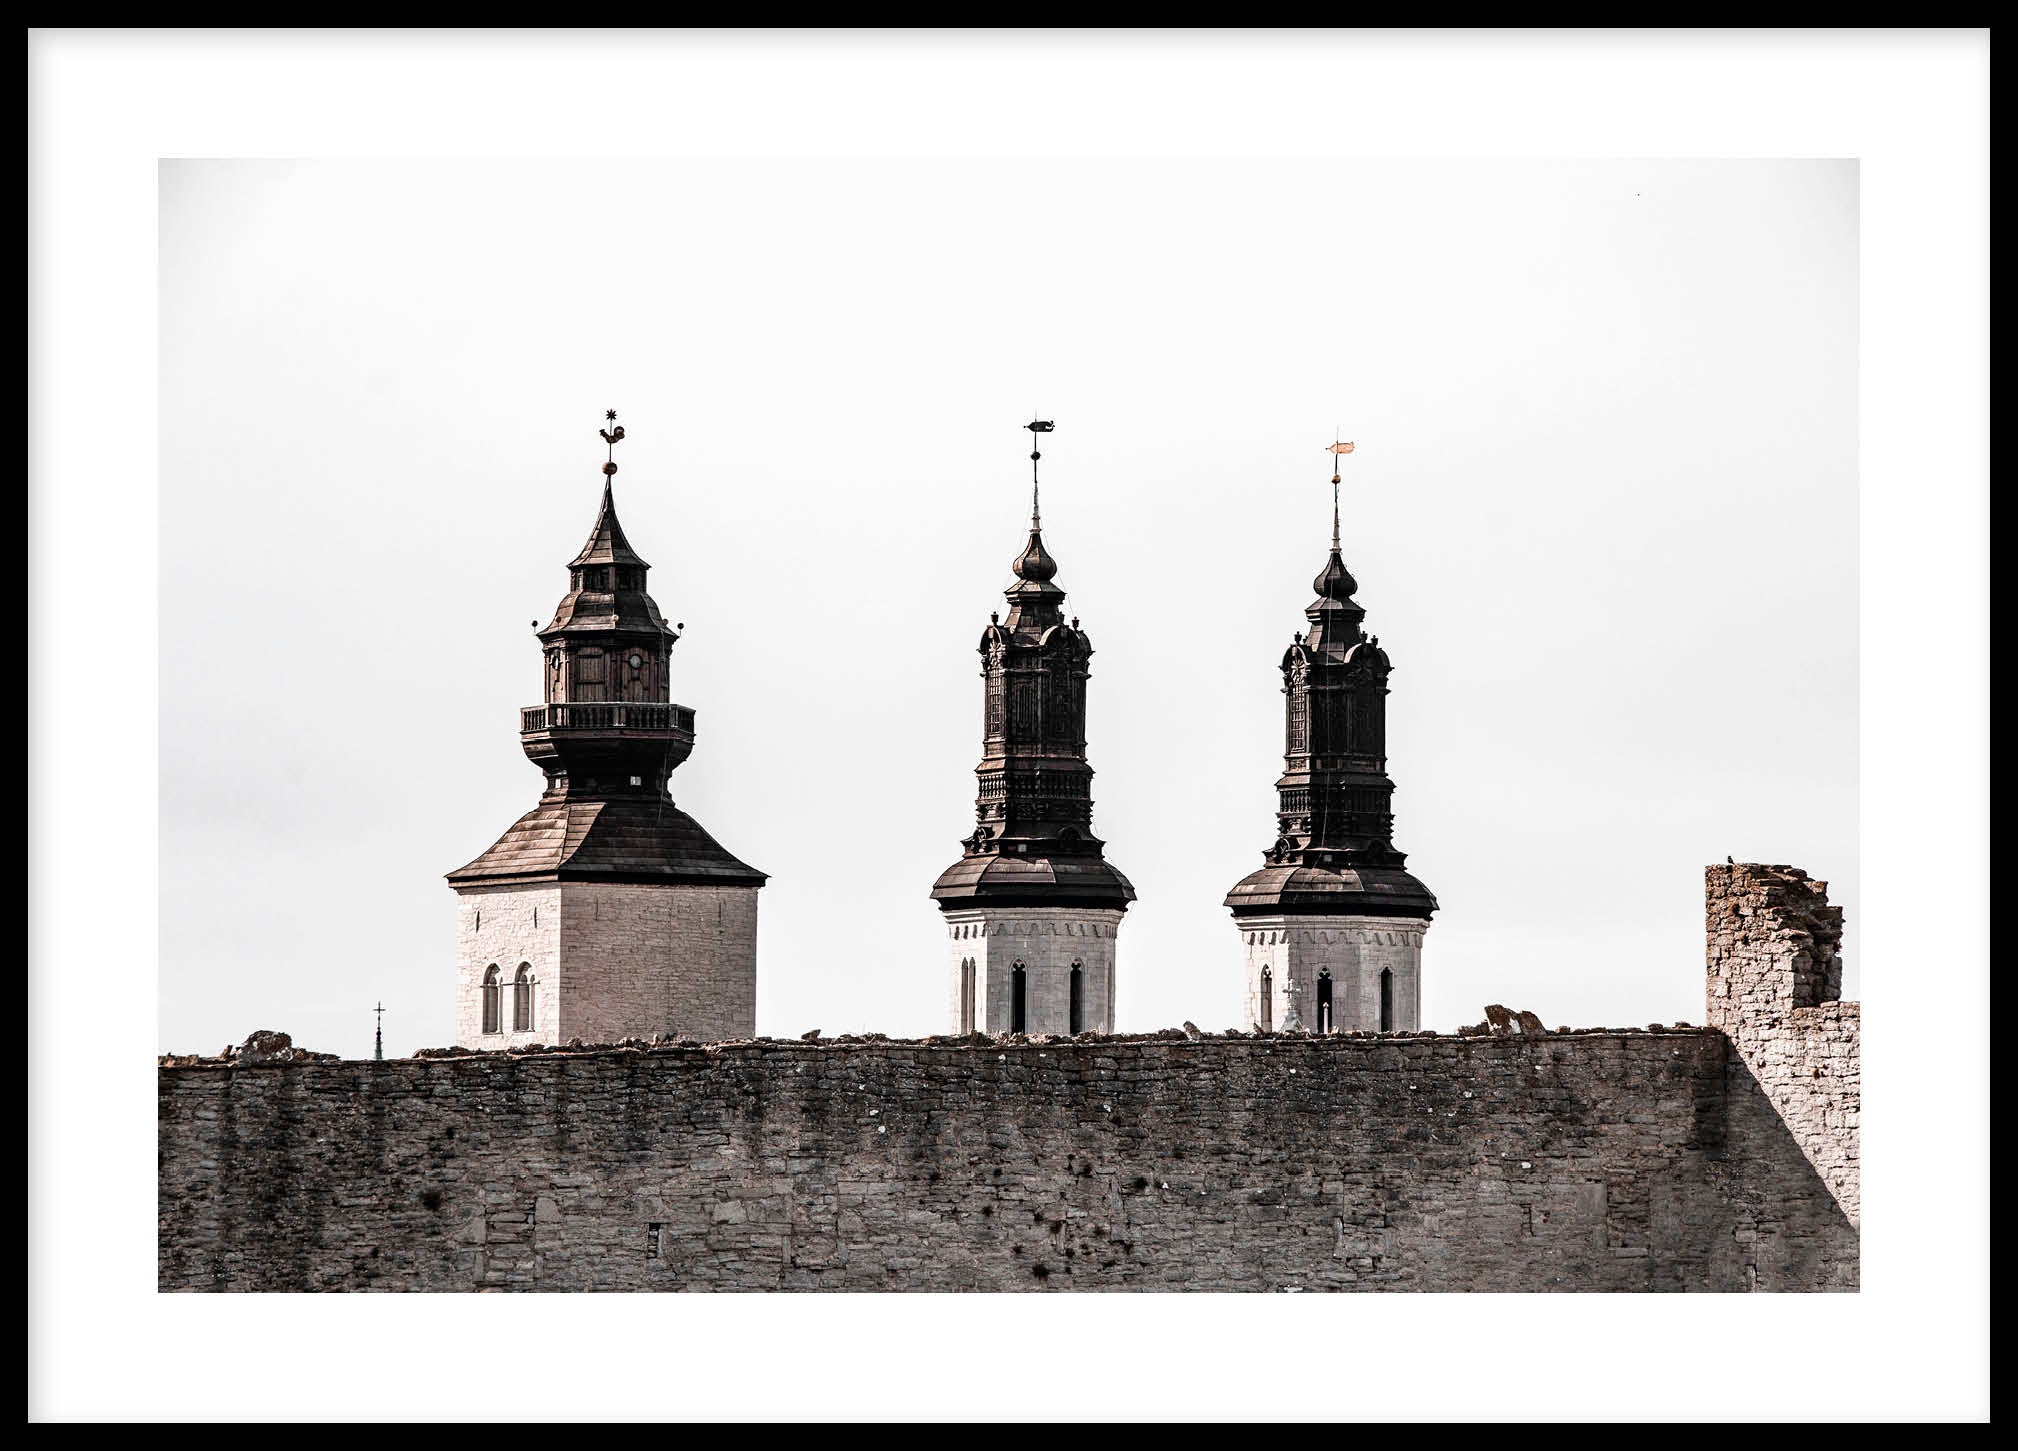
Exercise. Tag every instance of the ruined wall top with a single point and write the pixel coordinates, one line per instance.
(1773, 944)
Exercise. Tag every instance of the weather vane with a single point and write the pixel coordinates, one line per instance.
(1036, 426)
(612, 437)
(1337, 450)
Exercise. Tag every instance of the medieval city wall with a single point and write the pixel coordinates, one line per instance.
(1587, 1161)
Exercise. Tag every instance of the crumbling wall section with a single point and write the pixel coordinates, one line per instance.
(1775, 979)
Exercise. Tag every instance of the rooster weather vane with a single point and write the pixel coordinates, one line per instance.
(612, 437)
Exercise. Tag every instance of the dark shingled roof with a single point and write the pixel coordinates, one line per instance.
(1011, 877)
(607, 544)
(1342, 891)
(620, 840)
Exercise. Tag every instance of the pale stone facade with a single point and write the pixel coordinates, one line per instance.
(1288, 956)
(504, 928)
(987, 946)
(609, 961)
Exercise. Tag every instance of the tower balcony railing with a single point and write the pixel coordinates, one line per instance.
(606, 715)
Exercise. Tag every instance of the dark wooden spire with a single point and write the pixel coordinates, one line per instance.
(607, 736)
(1334, 849)
(1033, 840)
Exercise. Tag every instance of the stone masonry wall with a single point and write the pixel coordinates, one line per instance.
(646, 960)
(1601, 1160)
(1775, 977)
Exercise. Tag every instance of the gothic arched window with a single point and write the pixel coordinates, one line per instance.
(1386, 1000)
(1323, 1002)
(1267, 1014)
(1017, 998)
(1077, 1020)
(491, 1005)
(522, 998)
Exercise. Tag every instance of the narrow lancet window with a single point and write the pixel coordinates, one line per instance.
(1386, 1000)
(491, 1004)
(522, 998)
(1077, 1021)
(1267, 1001)
(1016, 999)
(967, 995)
(1324, 1002)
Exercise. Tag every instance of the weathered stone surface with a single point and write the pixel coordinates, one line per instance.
(1775, 977)
(1615, 1161)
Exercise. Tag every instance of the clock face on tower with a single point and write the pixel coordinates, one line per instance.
(637, 661)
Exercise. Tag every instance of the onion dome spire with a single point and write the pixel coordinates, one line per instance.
(1334, 583)
(1034, 599)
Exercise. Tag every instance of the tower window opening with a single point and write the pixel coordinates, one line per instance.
(967, 995)
(1324, 1002)
(491, 1003)
(1267, 1001)
(1017, 982)
(522, 998)
(1077, 1021)
(1386, 1000)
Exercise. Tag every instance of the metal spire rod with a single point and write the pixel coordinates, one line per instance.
(378, 1039)
(1336, 450)
(1036, 426)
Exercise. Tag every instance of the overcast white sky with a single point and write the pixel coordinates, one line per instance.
(1603, 512)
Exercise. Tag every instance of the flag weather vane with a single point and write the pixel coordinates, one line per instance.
(1036, 426)
(612, 437)
(1337, 450)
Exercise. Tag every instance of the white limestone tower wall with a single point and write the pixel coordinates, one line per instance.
(985, 946)
(506, 928)
(1285, 956)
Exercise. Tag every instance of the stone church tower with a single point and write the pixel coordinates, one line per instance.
(1032, 907)
(1331, 926)
(606, 912)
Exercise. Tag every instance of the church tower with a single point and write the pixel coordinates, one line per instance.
(1032, 907)
(606, 912)
(1331, 925)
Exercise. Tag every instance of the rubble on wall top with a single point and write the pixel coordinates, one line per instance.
(263, 1046)
(664, 1045)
